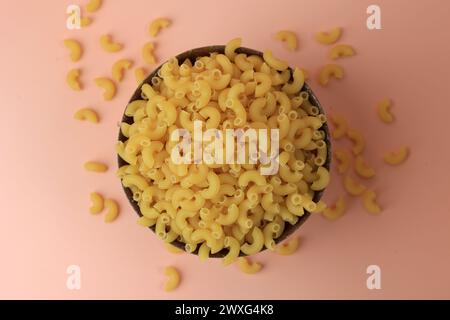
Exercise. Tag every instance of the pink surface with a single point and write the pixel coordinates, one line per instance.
(44, 223)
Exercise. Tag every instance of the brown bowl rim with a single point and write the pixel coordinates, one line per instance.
(192, 55)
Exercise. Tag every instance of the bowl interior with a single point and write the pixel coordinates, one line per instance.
(205, 51)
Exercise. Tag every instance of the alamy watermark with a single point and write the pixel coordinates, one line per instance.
(73, 281)
(74, 19)
(373, 282)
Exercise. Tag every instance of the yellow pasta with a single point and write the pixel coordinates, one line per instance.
(335, 211)
(363, 169)
(369, 200)
(358, 141)
(273, 62)
(93, 5)
(329, 37)
(97, 203)
(396, 157)
(383, 110)
(328, 71)
(139, 74)
(344, 160)
(289, 37)
(112, 209)
(108, 45)
(323, 179)
(76, 51)
(118, 68)
(297, 84)
(248, 267)
(85, 21)
(340, 126)
(341, 50)
(231, 47)
(148, 53)
(289, 247)
(87, 114)
(157, 24)
(353, 187)
(108, 86)
(73, 79)
(95, 166)
(233, 252)
(173, 278)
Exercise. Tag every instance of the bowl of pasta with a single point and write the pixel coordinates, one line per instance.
(210, 203)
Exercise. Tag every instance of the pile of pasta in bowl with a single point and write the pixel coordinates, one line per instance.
(224, 208)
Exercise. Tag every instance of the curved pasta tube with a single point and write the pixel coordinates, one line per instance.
(72, 79)
(75, 48)
(329, 37)
(97, 203)
(231, 216)
(108, 45)
(157, 24)
(86, 114)
(323, 180)
(93, 5)
(340, 126)
(297, 84)
(146, 222)
(212, 116)
(203, 252)
(328, 71)
(241, 115)
(213, 186)
(173, 278)
(358, 141)
(256, 110)
(256, 245)
(343, 157)
(268, 204)
(118, 68)
(169, 111)
(231, 47)
(251, 176)
(112, 209)
(248, 267)
(135, 180)
(288, 247)
(383, 110)
(289, 37)
(204, 90)
(273, 62)
(341, 50)
(95, 166)
(269, 231)
(148, 53)
(369, 199)
(352, 187)
(139, 74)
(172, 249)
(85, 21)
(363, 169)
(396, 157)
(108, 86)
(335, 211)
(233, 252)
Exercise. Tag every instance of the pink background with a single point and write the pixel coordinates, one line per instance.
(44, 223)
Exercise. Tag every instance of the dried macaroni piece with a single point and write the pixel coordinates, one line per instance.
(108, 86)
(335, 211)
(248, 267)
(148, 53)
(85, 21)
(112, 210)
(95, 166)
(119, 67)
(157, 24)
(344, 160)
(93, 5)
(139, 74)
(108, 45)
(76, 51)
(87, 114)
(97, 203)
(288, 247)
(329, 37)
(172, 249)
(173, 278)
(363, 169)
(352, 187)
(369, 202)
(396, 157)
(73, 79)
(330, 70)
(358, 141)
(289, 37)
(383, 110)
(341, 50)
(340, 126)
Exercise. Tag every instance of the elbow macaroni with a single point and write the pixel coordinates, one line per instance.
(86, 114)
(73, 79)
(95, 166)
(383, 110)
(341, 50)
(248, 267)
(108, 86)
(75, 49)
(173, 278)
(157, 24)
(108, 45)
(93, 5)
(112, 210)
(328, 71)
(396, 157)
(289, 37)
(329, 37)
(118, 68)
(97, 203)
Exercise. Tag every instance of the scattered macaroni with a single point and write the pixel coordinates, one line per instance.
(72, 79)
(340, 126)
(273, 62)
(119, 66)
(330, 70)
(344, 159)
(97, 203)
(362, 168)
(289, 37)
(112, 210)
(108, 86)
(75, 49)
(108, 45)
(358, 141)
(383, 110)
(148, 53)
(95, 166)
(369, 199)
(86, 114)
(352, 187)
(248, 267)
(288, 247)
(157, 24)
(341, 50)
(85, 21)
(231, 47)
(93, 5)
(396, 157)
(336, 211)
(139, 74)
(173, 278)
(329, 37)
(172, 249)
